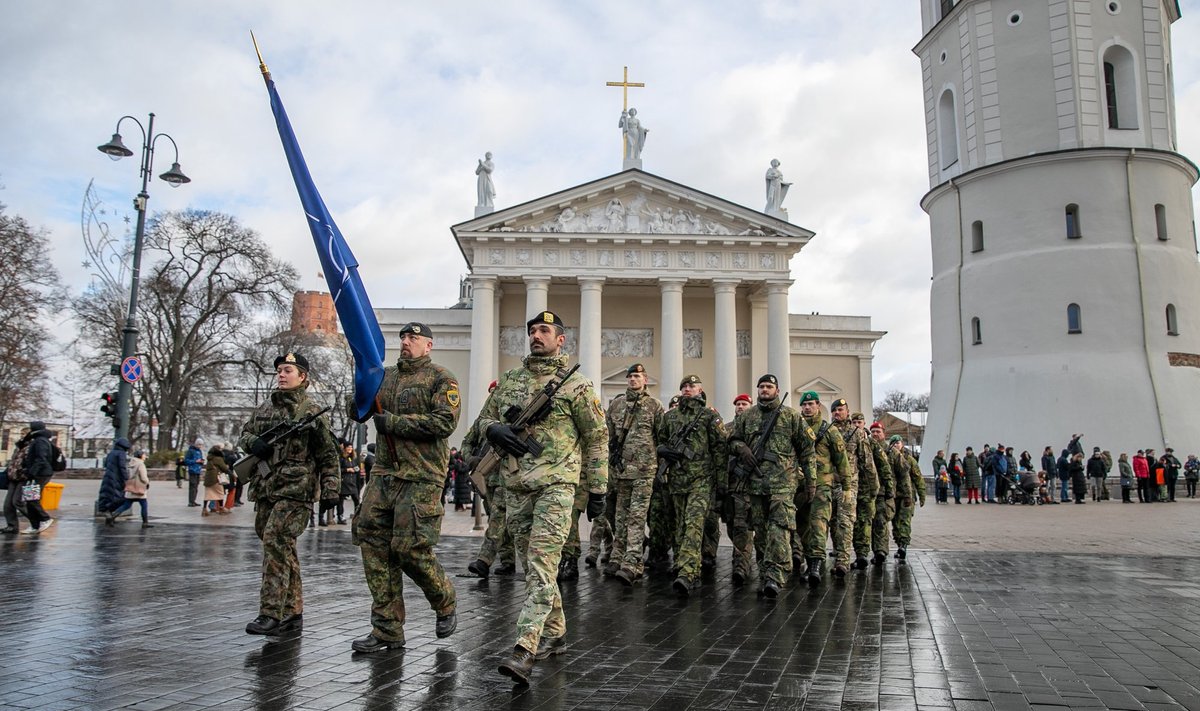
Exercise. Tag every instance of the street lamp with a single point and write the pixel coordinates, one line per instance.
(117, 150)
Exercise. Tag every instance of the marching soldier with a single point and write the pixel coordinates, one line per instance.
(540, 489)
(909, 489)
(400, 519)
(885, 502)
(868, 490)
(661, 518)
(766, 507)
(861, 466)
(692, 439)
(497, 541)
(632, 464)
(299, 467)
(826, 466)
(741, 403)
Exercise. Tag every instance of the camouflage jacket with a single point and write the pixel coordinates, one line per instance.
(573, 435)
(828, 464)
(706, 443)
(887, 480)
(915, 476)
(901, 469)
(305, 466)
(862, 460)
(420, 405)
(790, 443)
(638, 460)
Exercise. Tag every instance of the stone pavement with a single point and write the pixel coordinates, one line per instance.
(112, 618)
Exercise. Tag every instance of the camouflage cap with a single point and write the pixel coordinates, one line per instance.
(692, 379)
(768, 378)
(857, 416)
(545, 317)
(635, 368)
(417, 329)
(294, 359)
(810, 396)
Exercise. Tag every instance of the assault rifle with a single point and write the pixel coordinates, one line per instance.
(250, 464)
(741, 473)
(521, 419)
(677, 447)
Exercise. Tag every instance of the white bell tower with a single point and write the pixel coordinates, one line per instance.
(1066, 286)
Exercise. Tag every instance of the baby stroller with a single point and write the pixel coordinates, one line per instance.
(1022, 488)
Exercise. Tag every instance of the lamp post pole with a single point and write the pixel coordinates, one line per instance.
(116, 150)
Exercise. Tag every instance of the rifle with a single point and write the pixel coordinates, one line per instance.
(676, 446)
(741, 473)
(248, 463)
(616, 446)
(521, 420)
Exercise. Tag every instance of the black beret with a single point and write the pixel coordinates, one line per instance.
(417, 329)
(295, 359)
(838, 403)
(635, 368)
(545, 317)
(768, 378)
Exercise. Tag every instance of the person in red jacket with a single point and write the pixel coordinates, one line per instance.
(1141, 471)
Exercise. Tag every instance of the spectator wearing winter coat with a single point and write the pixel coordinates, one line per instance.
(193, 459)
(971, 475)
(229, 454)
(999, 464)
(462, 480)
(39, 468)
(1078, 478)
(1063, 468)
(956, 476)
(1048, 465)
(1126, 477)
(116, 472)
(1191, 474)
(214, 488)
(1141, 472)
(136, 486)
(1158, 476)
(351, 475)
(1097, 469)
(1173, 466)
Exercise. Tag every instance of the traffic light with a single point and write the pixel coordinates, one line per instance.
(109, 408)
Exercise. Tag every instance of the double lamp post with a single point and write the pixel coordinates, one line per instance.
(116, 150)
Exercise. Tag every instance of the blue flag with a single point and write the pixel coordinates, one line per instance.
(341, 271)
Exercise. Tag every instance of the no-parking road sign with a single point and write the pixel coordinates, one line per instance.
(131, 369)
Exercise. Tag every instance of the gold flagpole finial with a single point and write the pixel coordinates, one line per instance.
(262, 66)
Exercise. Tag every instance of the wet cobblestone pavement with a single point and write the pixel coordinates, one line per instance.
(114, 618)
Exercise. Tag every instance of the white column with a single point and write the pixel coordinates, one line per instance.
(725, 388)
(758, 334)
(778, 335)
(671, 338)
(590, 289)
(537, 292)
(865, 397)
(484, 340)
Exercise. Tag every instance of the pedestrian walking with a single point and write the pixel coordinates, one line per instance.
(137, 485)
(15, 476)
(193, 459)
(216, 478)
(116, 473)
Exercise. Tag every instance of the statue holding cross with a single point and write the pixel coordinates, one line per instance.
(632, 133)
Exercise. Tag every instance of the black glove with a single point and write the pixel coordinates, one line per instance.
(502, 437)
(722, 492)
(260, 448)
(745, 455)
(595, 505)
(665, 452)
(381, 420)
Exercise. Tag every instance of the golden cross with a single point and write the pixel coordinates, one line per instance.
(624, 84)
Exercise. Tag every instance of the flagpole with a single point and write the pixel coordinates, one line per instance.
(262, 66)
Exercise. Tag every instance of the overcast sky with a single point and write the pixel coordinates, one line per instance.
(393, 103)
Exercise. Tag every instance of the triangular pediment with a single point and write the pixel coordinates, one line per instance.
(631, 205)
(822, 387)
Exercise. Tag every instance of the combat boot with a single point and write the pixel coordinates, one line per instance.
(568, 569)
(371, 644)
(770, 590)
(478, 567)
(590, 560)
(626, 576)
(879, 559)
(262, 625)
(518, 666)
(814, 572)
(738, 579)
(797, 562)
(839, 571)
(446, 624)
(682, 586)
(860, 563)
(291, 623)
(901, 553)
(506, 569)
(610, 569)
(550, 646)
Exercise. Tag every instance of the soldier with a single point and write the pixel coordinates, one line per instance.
(540, 490)
(661, 517)
(885, 502)
(909, 488)
(766, 506)
(400, 519)
(868, 490)
(741, 403)
(827, 466)
(632, 464)
(697, 469)
(862, 467)
(497, 541)
(300, 466)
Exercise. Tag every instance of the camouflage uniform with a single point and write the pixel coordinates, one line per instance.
(916, 492)
(573, 548)
(902, 520)
(400, 519)
(827, 466)
(770, 494)
(540, 490)
(301, 469)
(497, 541)
(632, 418)
(693, 479)
(883, 505)
(660, 519)
(862, 463)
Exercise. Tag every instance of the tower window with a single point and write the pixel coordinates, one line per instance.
(1160, 221)
(1074, 321)
(947, 130)
(1073, 231)
(945, 6)
(976, 332)
(1172, 321)
(977, 236)
(1120, 88)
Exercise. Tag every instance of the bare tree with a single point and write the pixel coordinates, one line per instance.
(900, 401)
(29, 295)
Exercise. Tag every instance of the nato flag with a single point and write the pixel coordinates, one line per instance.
(341, 272)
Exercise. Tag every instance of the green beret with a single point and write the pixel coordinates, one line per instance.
(810, 396)
(894, 439)
(545, 317)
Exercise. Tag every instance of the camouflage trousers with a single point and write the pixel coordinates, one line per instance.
(661, 520)
(812, 522)
(772, 518)
(902, 524)
(885, 511)
(844, 514)
(497, 542)
(632, 497)
(693, 503)
(278, 525)
(738, 528)
(601, 540)
(573, 548)
(539, 521)
(397, 526)
(863, 523)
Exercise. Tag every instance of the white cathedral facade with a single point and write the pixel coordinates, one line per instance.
(642, 269)
(1066, 288)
